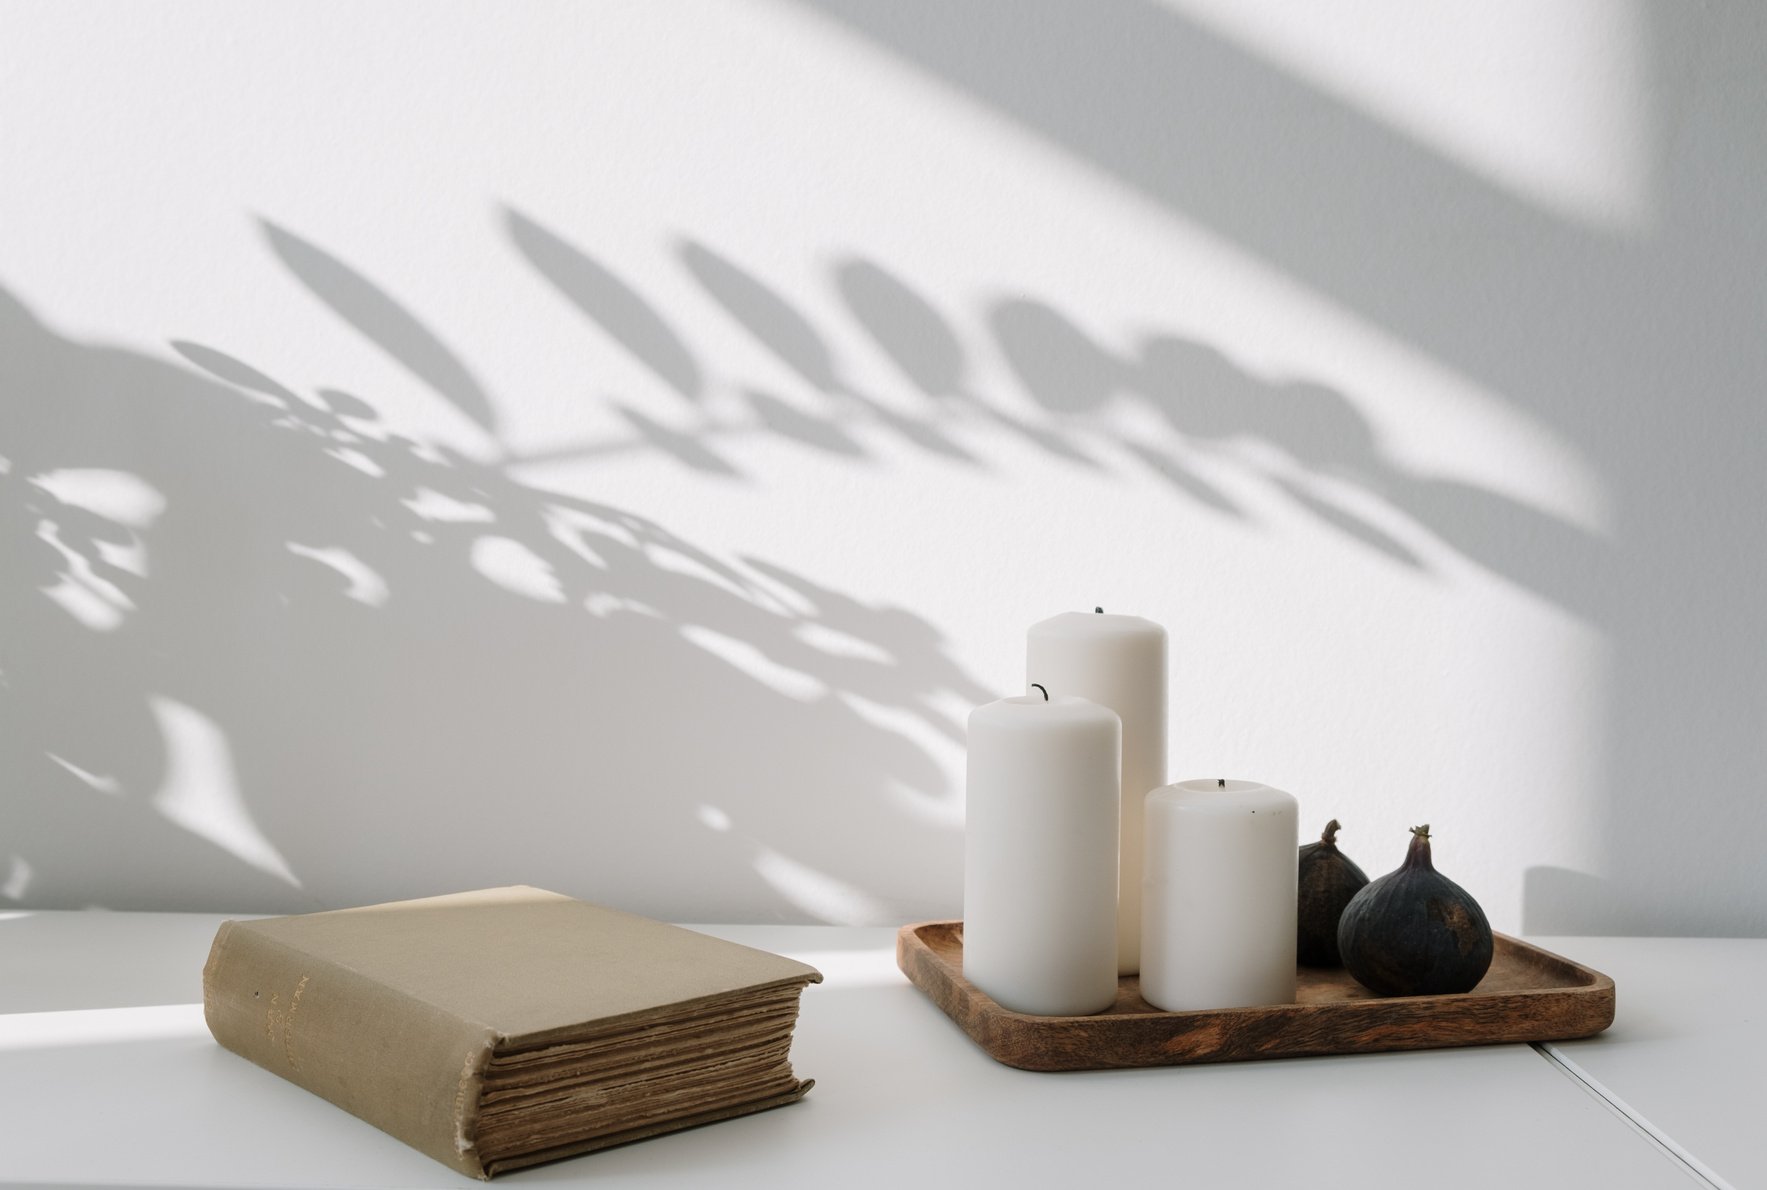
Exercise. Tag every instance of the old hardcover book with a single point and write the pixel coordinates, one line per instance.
(502, 1028)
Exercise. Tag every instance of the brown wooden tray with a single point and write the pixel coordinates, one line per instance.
(1529, 994)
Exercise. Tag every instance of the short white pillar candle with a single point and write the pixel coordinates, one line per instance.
(1218, 905)
(1118, 662)
(1040, 855)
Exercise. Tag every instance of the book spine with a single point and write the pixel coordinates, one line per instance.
(409, 1068)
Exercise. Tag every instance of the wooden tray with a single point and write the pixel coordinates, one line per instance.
(1528, 995)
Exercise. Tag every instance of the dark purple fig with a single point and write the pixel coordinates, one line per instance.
(1328, 879)
(1414, 932)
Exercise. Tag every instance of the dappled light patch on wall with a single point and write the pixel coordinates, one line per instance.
(751, 661)
(516, 568)
(362, 583)
(17, 881)
(200, 789)
(822, 896)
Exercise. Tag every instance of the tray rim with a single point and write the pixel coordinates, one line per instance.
(992, 1026)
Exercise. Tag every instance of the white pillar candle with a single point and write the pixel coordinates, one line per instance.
(1118, 662)
(1040, 855)
(1218, 929)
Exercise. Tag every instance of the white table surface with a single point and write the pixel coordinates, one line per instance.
(1686, 1054)
(108, 1077)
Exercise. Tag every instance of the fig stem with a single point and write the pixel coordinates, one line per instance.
(1418, 854)
(1330, 837)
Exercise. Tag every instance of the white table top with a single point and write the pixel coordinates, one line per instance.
(1686, 1053)
(108, 1076)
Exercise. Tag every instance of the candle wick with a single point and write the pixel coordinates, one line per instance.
(1220, 782)
(1040, 686)
(1099, 610)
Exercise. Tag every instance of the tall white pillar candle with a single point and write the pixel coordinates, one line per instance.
(1040, 855)
(1118, 662)
(1218, 924)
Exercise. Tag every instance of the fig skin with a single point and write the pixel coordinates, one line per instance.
(1414, 932)
(1328, 881)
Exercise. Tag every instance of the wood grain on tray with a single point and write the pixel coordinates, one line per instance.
(1529, 994)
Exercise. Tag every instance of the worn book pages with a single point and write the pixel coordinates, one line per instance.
(509, 1026)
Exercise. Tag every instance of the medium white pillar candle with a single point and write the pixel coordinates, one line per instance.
(1218, 925)
(1118, 662)
(1040, 855)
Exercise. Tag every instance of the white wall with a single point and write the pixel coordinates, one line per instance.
(612, 446)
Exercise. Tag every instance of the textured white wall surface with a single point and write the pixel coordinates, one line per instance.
(612, 446)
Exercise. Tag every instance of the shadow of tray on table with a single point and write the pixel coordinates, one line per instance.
(1529, 994)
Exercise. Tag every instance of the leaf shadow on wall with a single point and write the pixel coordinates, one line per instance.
(334, 636)
(1315, 444)
(316, 652)
(1640, 345)
(1314, 448)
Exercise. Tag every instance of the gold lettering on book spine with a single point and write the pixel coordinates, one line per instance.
(277, 1021)
(461, 1144)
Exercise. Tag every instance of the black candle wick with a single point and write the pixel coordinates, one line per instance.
(1040, 686)
(1099, 610)
(1220, 783)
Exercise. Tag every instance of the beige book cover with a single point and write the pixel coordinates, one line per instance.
(396, 1012)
